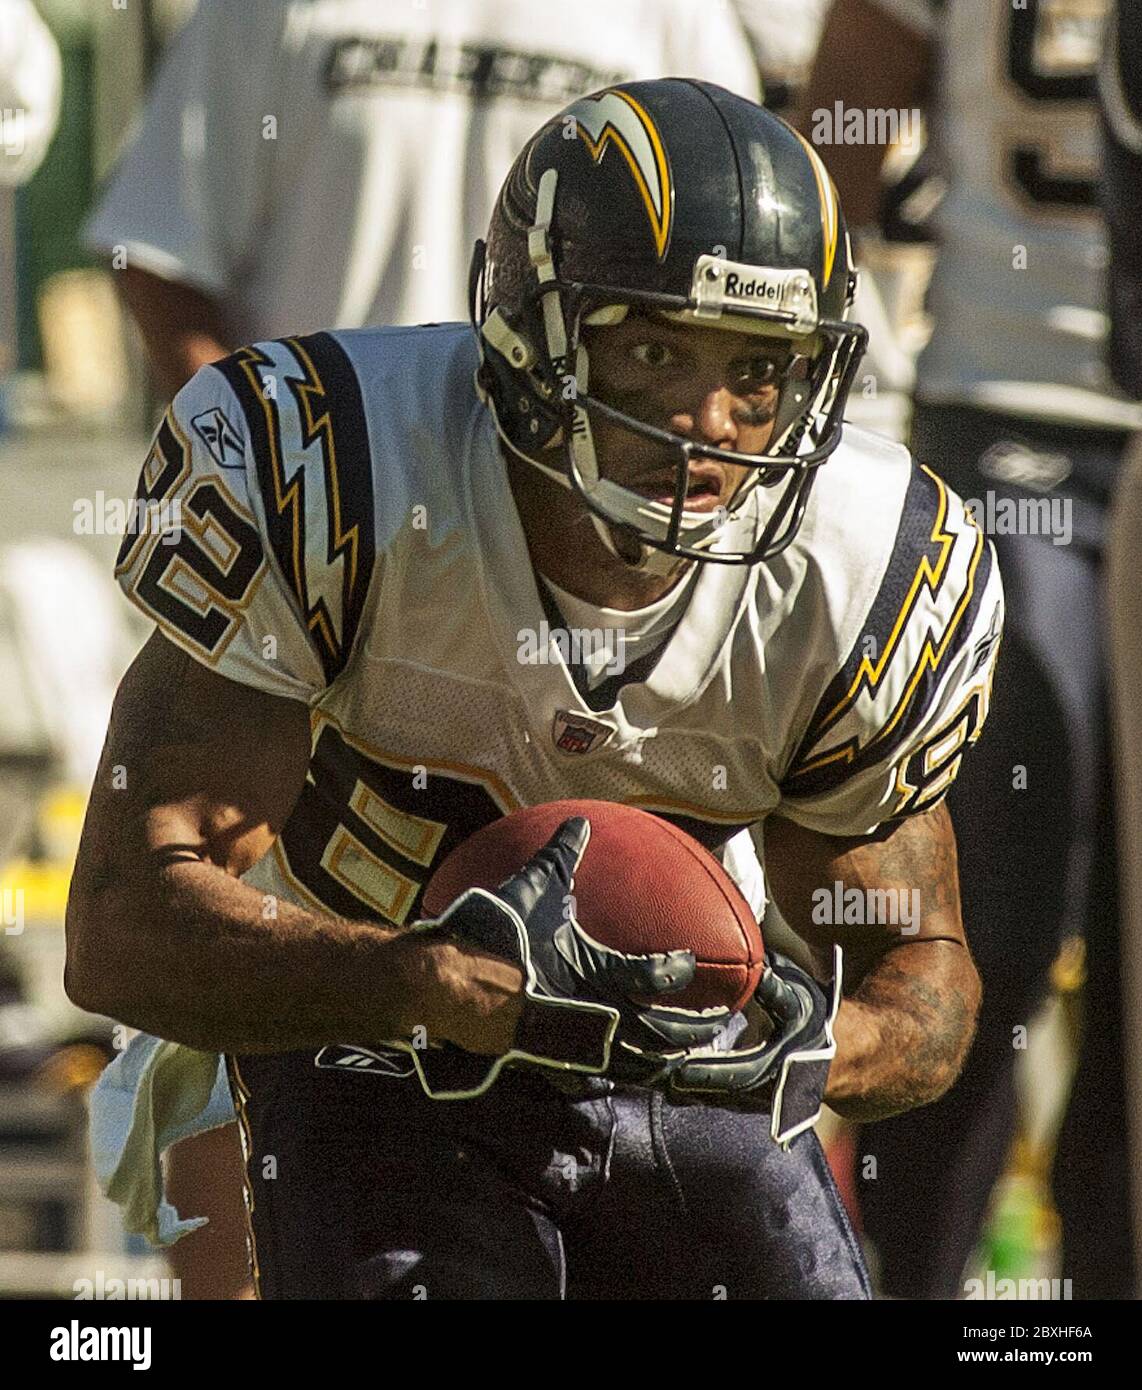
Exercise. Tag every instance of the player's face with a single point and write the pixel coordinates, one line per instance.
(707, 384)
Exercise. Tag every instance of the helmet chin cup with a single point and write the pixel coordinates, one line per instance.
(630, 549)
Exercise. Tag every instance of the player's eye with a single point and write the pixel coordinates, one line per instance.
(756, 373)
(652, 354)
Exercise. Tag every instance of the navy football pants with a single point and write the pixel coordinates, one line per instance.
(362, 1188)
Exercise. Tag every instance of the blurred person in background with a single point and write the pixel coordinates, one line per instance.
(29, 90)
(1013, 406)
(57, 639)
(785, 35)
(29, 112)
(303, 166)
(1121, 99)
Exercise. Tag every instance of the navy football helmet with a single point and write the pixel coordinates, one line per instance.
(670, 197)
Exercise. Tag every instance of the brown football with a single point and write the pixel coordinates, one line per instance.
(643, 885)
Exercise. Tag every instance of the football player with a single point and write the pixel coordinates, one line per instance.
(643, 437)
(1015, 406)
(355, 205)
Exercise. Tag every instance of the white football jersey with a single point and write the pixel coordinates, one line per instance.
(345, 534)
(1019, 293)
(316, 163)
(784, 34)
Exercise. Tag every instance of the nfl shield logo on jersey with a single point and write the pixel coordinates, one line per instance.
(575, 733)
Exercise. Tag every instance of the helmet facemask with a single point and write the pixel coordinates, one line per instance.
(536, 377)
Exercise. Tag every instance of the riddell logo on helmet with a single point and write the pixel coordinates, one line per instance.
(764, 290)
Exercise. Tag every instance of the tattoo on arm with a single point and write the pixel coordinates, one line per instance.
(911, 995)
(921, 1003)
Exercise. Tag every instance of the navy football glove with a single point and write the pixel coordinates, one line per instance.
(577, 1014)
(786, 1074)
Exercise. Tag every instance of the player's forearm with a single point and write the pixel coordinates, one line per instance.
(183, 328)
(212, 962)
(902, 1037)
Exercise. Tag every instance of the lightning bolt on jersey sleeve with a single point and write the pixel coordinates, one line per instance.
(252, 539)
(889, 731)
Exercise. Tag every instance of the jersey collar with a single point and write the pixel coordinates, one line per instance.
(686, 663)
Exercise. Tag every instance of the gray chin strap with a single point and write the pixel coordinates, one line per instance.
(648, 560)
(698, 529)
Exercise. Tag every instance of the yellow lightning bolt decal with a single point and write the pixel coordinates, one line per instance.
(870, 672)
(830, 211)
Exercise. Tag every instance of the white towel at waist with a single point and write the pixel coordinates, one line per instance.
(151, 1096)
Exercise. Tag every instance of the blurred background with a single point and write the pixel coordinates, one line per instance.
(75, 415)
(115, 284)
